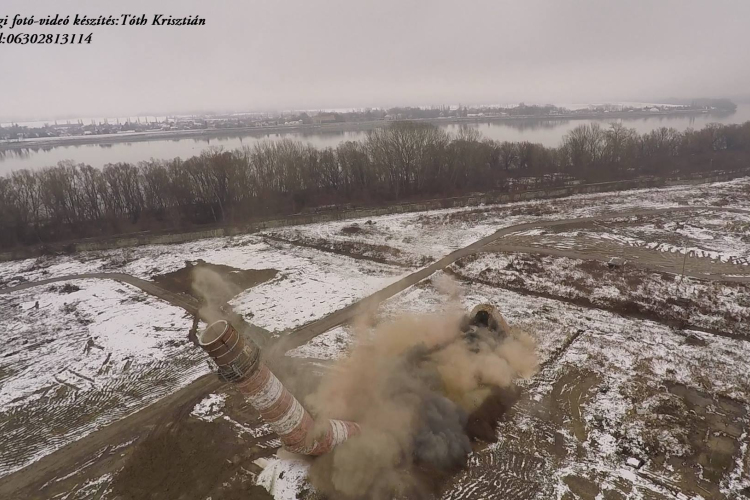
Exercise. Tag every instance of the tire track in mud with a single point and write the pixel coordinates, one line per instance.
(69, 413)
(27, 482)
(34, 475)
(77, 407)
(519, 475)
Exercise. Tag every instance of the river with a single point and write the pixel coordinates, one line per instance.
(547, 132)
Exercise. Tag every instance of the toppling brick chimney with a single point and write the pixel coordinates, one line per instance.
(240, 364)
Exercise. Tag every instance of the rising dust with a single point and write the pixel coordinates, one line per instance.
(214, 291)
(423, 387)
(414, 384)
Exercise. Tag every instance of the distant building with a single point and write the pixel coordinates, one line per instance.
(324, 118)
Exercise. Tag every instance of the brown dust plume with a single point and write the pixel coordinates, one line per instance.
(414, 383)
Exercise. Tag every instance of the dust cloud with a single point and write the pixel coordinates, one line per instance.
(214, 292)
(413, 384)
(421, 386)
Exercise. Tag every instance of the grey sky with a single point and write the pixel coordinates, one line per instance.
(299, 54)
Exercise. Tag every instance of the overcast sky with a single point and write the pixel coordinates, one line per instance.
(311, 54)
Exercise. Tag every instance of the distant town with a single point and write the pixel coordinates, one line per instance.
(84, 129)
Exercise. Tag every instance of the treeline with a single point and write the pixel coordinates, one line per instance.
(410, 113)
(405, 161)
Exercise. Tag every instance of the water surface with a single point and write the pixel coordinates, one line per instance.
(547, 132)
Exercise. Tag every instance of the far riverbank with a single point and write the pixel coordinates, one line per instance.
(158, 135)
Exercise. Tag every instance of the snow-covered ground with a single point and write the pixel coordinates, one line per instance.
(330, 345)
(215, 406)
(723, 236)
(91, 356)
(433, 234)
(209, 408)
(709, 234)
(78, 355)
(640, 409)
(700, 303)
(539, 317)
(634, 363)
(284, 477)
(310, 285)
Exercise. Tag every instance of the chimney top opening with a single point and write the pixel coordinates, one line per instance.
(212, 332)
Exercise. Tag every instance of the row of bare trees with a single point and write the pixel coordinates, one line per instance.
(404, 161)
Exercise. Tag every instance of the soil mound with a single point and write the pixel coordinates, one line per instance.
(181, 281)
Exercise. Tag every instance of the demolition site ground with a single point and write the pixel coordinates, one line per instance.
(638, 302)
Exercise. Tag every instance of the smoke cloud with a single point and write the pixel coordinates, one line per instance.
(414, 384)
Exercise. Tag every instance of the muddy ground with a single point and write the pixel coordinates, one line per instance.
(181, 281)
(546, 432)
(186, 458)
(190, 460)
(584, 247)
(524, 463)
(383, 254)
(720, 307)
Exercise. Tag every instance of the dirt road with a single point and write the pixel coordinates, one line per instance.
(24, 483)
(184, 301)
(187, 302)
(27, 482)
(306, 333)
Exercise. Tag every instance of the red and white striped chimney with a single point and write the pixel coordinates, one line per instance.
(240, 363)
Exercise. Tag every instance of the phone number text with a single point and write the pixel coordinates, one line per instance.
(41, 38)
